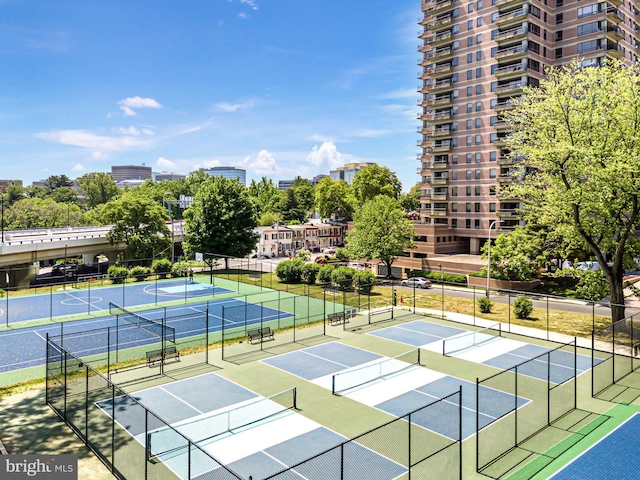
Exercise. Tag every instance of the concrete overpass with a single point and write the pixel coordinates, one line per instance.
(22, 250)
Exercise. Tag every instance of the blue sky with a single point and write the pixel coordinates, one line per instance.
(278, 87)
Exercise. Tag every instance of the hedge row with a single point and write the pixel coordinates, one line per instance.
(447, 277)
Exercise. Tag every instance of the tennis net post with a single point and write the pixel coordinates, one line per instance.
(472, 339)
(159, 329)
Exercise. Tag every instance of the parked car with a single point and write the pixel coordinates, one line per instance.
(329, 250)
(358, 266)
(262, 256)
(417, 282)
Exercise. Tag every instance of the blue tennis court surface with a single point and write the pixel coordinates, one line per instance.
(25, 348)
(498, 352)
(85, 301)
(615, 457)
(261, 448)
(401, 393)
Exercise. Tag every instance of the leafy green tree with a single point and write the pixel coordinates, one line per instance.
(14, 194)
(373, 181)
(289, 208)
(364, 281)
(342, 277)
(64, 195)
(410, 201)
(591, 285)
(41, 213)
(380, 232)
(324, 274)
(290, 271)
(578, 134)
(305, 194)
(35, 191)
(310, 273)
(138, 222)
(98, 188)
(515, 255)
(221, 220)
(334, 199)
(57, 181)
(161, 267)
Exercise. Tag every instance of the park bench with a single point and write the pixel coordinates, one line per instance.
(259, 334)
(155, 356)
(341, 317)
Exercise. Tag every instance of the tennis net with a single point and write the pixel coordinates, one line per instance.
(170, 440)
(471, 339)
(151, 326)
(358, 376)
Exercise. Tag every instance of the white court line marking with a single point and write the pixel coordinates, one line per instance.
(399, 327)
(331, 361)
(542, 361)
(39, 335)
(81, 300)
(183, 401)
(454, 404)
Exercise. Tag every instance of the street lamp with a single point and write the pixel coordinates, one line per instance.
(442, 286)
(489, 254)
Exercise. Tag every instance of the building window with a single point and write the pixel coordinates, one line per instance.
(469, 91)
(454, 191)
(492, 156)
(470, 8)
(476, 224)
(559, 35)
(454, 207)
(586, 11)
(469, 107)
(454, 223)
(468, 158)
(479, 5)
(492, 207)
(467, 207)
(478, 139)
(492, 173)
(467, 223)
(470, 25)
(478, 157)
(468, 140)
(559, 52)
(469, 57)
(588, 28)
(478, 89)
(479, 72)
(588, 46)
(454, 159)
(492, 190)
(478, 174)
(468, 174)
(535, 29)
(469, 124)
(454, 175)
(560, 18)
(535, 11)
(469, 74)
(476, 190)
(478, 39)
(476, 207)
(479, 56)
(468, 191)
(479, 22)
(469, 41)
(534, 47)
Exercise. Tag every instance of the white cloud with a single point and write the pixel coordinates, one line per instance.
(99, 156)
(243, 15)
(78, 168)
(234, 107)
(82, 138)
(251, 3)
(128, 130)
(148, 131)
(264, 164)
(128, 104)
(325, 157)
(166, 164)
(316, 137)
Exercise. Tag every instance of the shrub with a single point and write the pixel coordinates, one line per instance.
(592, 285)
(290, 271)
(139, 273)
(447, 277)
(341, 254)
(304, 255)
(310, 273)
(117, 273)
(363, 281)
(485, 304)
(522, 307)
(161, 266)
(343, 277)
(179, 269)
(324, 275)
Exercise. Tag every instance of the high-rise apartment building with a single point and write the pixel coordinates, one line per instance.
(476, 57)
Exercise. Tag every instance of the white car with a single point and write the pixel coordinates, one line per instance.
(416, 282)
(330, 250)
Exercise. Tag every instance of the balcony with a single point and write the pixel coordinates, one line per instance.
(424, 116)
(439, 196)
(442, 101)
(442, 85)
(613, 15)
(509, 88)
(614, 50)
(441, 70)
(441, 132)
(503, 106)
(501, 125)
(615, 3)
(511, 53)
(511, 17)
(439, 211)
(440, 38)
(440, 7)
(441, 148)
(499, 142)
(505, 178)
(439, 165)
(441, 116)
(440, 23)
(508, 3)
(439, 181)
(511, 34)
(423, 34)
(614, 33)
(510, 70)
(508, 213)
(508, 160)
(424, 143)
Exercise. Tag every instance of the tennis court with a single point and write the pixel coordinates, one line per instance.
(486, 346)
(614, 457)
(252, 435)
(394, 385)
(14, 309)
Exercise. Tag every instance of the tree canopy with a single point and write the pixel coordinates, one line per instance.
(579, 133)
(221, 220)
(516, 255)
(98, 188)
(334, 199)
(373, 181)
(380, 232)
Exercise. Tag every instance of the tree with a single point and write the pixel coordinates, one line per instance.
(305, 194)
(373, 181)
(265, 194)
(289, 207)
(98, 188)
(515, 255)
(140, 223)
(380, 231)
(64, 195)
(334, 199)
(221, 220)
(579, 134)
(410, 201)
(57, 181)
(41, 213)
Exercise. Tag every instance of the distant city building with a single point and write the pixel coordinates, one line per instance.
(129, 183)
(38, 183)
(285, 184)
(227, 172)
(317, 178)
(160, 176)
(121, 173)
(348, 171)
(5, 184)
